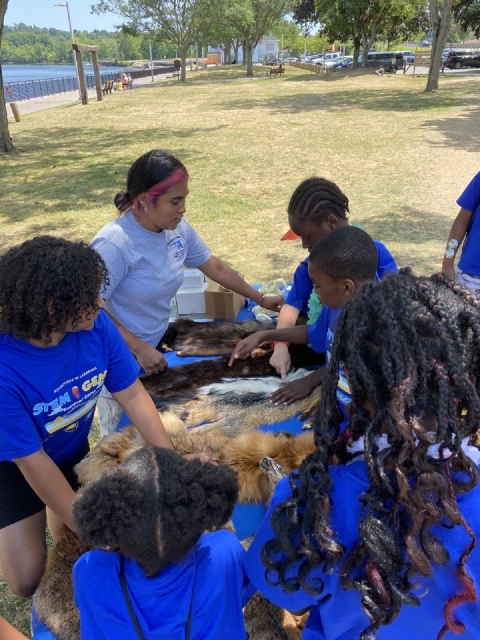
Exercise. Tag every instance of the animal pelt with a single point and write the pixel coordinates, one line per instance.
(237, 406)
(191, 338)
(54, 597)
(266, 621)
(243, 453)
(186, 378)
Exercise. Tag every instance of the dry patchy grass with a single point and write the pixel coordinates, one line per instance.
(401, 156)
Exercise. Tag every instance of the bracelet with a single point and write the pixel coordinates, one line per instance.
(261, 300)
(280, 342)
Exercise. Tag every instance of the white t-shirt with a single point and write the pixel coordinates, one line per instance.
(146, 269)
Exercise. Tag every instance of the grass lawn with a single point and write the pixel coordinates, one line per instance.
(402, 157)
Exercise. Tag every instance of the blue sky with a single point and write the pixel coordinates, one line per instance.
(42, 13)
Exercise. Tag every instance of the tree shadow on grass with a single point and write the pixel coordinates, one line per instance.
(458, 132)
(74, 167)
(384, 99)
(414, 232)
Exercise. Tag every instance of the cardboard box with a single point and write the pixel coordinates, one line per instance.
(221, 303)
(191, 300)
(192, 279)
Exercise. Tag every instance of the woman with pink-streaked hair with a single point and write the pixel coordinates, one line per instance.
(146, 250)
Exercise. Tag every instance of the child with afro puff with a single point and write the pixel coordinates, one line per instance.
(146, 520)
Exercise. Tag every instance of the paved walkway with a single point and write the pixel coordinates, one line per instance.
(38, 104)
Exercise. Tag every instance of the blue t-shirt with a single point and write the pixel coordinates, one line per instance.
(337, 613)
(470, 200)
(210, 577)
(48, 394)
(302, 283)
(320, 336)
(302, 286)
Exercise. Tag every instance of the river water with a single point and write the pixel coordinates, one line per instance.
(24, 72)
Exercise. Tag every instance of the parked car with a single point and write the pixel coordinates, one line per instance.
(273, 61)
(458, 59)
(344, 62)
(391, 60)
(292, 60)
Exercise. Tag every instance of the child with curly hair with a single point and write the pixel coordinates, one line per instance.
(376, 533)
(57, 350)
(154, 572)
(317, 207)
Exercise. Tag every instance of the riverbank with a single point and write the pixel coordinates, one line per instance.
(48, 102)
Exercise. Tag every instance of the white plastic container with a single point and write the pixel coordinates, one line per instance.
(192, 279)
(191, 300)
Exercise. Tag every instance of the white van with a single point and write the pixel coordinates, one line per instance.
(328, 58)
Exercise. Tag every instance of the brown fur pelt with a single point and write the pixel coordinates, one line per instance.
(232, 413)
(266, 621)
(191, 338)
(54, 597)
(186, 378)
(243, 453)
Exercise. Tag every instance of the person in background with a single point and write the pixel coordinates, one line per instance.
(465, 230)
(380, 71)
(376, 533)
(145, 251)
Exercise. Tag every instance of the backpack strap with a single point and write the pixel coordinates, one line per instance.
(128, 601)
(131, 611)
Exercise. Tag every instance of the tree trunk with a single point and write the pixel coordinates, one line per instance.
(183, 60)
(441, 25)
(244, 55)
(227, 57)
(249, 57)
(356, 52)
(236, 46)
(6, 144)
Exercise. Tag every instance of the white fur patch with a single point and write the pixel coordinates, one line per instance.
(250, 385)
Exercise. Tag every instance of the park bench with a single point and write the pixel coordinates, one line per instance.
(107, 88)
(276, 71)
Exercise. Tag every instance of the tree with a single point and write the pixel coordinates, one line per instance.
(179, 21)
(467, 15)
(440, 16)
(253, 19)
(6, 144)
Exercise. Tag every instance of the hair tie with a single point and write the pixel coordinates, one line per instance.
(122, 201)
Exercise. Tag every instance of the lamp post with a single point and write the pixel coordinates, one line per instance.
(73, 42)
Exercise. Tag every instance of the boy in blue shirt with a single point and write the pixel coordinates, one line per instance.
(339, 263)
(316, 208)
(57, 350)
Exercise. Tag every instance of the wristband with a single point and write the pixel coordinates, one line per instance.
(261, 300)
(280, 342)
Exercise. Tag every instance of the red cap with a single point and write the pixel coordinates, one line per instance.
(289, 236)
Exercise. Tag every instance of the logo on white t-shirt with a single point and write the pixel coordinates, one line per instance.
(176, 246)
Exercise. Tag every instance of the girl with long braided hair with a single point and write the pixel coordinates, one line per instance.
(376, 533)
(317, 207)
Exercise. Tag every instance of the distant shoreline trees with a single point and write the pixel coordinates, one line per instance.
(24, 44)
